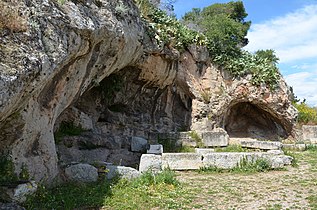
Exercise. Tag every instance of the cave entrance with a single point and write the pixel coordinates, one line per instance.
(246, 120)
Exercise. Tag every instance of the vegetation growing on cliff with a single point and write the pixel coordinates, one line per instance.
(222, 29)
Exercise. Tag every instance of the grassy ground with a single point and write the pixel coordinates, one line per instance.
(292, 188)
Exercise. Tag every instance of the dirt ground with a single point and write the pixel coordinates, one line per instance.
(292, 188)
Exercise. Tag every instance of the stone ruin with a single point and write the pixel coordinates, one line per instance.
(103, 74)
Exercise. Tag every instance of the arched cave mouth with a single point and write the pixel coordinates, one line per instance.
(246, 120)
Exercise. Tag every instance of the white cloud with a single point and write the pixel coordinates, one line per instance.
(292, 36)
(294, 39)
(305, 85)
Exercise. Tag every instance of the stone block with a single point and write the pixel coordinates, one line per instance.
(204, 150)
(182, 161)
(19, 193)
(138, 144)
(295, 147)
(223, 160)
(82, 173)
(155, 149)
(310, 132)
(150, 162)
(275, 152)
(265, 145)
(122, 171)
(215, 138)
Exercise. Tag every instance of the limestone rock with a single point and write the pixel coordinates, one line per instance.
(150, 162)
(265, 145)
(295, 147)
(215, 138)
(19, 193)
(204, 151)
(182, 161)
(10, 206)
(138, 144)
(82, 173)
(156, 149)
(122, 171)
(310, 133)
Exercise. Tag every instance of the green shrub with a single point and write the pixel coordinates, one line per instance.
(306, 114)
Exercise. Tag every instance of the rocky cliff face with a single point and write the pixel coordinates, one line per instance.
(93, 65)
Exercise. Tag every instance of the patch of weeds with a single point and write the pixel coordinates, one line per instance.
(258, 165)
(211, 169)
(311, 147)
(199, 142)
(168, 144)
(185, 148)
(206, 96)
(70, 196)
(7, 174)
(67, 129)
(294, 162)
(312, 201)
(232, 148)
(149, 191)
(274, 207)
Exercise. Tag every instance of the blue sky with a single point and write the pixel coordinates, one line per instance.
(287, 26)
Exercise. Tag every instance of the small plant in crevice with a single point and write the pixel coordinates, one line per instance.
(199, 142)
(121, 9)
(67, 129)
(232, 148)
(7, 174)
(110, 86)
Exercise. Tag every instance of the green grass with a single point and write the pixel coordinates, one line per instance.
(244, 166)
(293, 155)
(311, 147)
(312, 201)
(147, 191)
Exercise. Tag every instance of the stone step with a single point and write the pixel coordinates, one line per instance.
(265, 145)
(221, 160)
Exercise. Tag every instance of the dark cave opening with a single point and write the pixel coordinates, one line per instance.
(246, 120)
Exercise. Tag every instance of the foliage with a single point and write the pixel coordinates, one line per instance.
(226, 29)
(67, 129)
(294, 162)
(110, 86)
(311, 147)
(7, 174)
(10, 18)
(306, 114)
(150, 190)
(199, 142)
(259, 165)
(167, 30)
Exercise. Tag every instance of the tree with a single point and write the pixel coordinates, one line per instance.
(224, 25)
